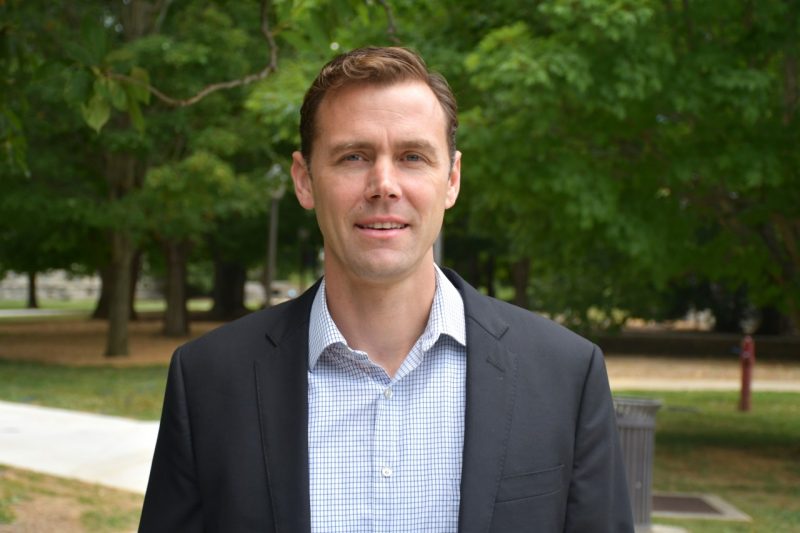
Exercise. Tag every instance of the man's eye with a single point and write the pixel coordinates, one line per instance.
(352, 157)
(413, 158)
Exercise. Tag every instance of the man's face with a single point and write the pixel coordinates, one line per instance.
(380, 180)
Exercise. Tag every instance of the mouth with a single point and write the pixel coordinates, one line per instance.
(382, 225)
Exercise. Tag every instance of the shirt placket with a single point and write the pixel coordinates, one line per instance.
(386, 457)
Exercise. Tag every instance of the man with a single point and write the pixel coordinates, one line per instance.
(391, 396)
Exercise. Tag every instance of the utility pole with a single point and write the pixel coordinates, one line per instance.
(275, 175)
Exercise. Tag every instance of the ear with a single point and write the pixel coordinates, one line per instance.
(302, 181)
(453, 182)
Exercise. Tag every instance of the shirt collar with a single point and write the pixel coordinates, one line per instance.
(446, 318)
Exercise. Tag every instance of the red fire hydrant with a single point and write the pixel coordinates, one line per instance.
(748, 359)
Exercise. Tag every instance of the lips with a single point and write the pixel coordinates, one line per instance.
(382, 225)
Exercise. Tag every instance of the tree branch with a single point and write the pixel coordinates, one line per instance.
(271, 67)
(391, 28)
(162, 7)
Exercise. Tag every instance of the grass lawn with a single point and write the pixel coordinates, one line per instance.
(752, 460)
(134, 392)
(702, 443)
(68, 305)
(35, 502)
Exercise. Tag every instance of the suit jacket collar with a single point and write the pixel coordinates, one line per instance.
(282, 385)
(282, 388)
(491, 384)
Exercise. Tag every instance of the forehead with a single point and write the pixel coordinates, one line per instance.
(394, 111)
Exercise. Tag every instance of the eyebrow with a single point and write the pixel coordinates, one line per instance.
(349, 145)
(412, 144)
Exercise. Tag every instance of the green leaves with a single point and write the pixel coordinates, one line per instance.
(107, 93)
(138, 90)
(96, 112)
(185, 199)
(585, 112)
(91, 45)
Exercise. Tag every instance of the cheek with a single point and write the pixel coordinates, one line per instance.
(332, 207)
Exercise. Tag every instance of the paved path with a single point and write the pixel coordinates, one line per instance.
(672, 384)
(116, 452)
(22, 313)
(107, 450)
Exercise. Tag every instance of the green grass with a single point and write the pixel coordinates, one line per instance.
(6, 513)
(97, 509)
(135, 392)
(752, 460)
(107, 518)
(68, 305)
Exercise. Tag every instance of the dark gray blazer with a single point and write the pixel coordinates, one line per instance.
(541, 452)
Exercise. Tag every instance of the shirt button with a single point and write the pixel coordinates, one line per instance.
(386, 471)
(388, 394)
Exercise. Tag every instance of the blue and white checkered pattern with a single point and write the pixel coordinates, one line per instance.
(385, 453)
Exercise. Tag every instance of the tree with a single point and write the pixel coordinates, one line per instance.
(614, 152)
(182, 201)
(626, 151)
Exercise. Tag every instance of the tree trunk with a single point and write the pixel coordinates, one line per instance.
(176, 316)
(106, 281)
(136, 268)
(33, 302)
(124, 173)
(520, 274)
(229, 280)
(101, 309)
(119, 294)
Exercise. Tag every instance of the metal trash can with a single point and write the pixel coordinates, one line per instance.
(636, 423)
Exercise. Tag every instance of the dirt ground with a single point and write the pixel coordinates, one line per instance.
(44, 504)
(661, 367)
(82, 342)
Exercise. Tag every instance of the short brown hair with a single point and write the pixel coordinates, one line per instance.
(379, 66)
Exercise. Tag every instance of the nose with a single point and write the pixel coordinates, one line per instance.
(382, 181)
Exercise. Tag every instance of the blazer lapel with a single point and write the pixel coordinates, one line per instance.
(491, 382)
(282, 386)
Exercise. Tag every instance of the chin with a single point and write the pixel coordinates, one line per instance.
(383, 270)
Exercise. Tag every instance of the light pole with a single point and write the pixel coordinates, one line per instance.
(276, 176)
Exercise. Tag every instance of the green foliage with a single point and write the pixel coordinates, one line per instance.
(132, 392)
(623, 147)
(183, 200)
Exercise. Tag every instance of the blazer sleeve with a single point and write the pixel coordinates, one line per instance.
(172, 500)
(598, 494)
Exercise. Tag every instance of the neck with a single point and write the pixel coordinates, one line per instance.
(382, 319)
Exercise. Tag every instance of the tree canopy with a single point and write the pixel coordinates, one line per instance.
(619, 156)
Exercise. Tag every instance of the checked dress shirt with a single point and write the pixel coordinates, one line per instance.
(385, 453)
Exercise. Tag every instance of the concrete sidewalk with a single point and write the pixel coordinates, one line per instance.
(111, 451)
(672, 384)
(25, 313)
